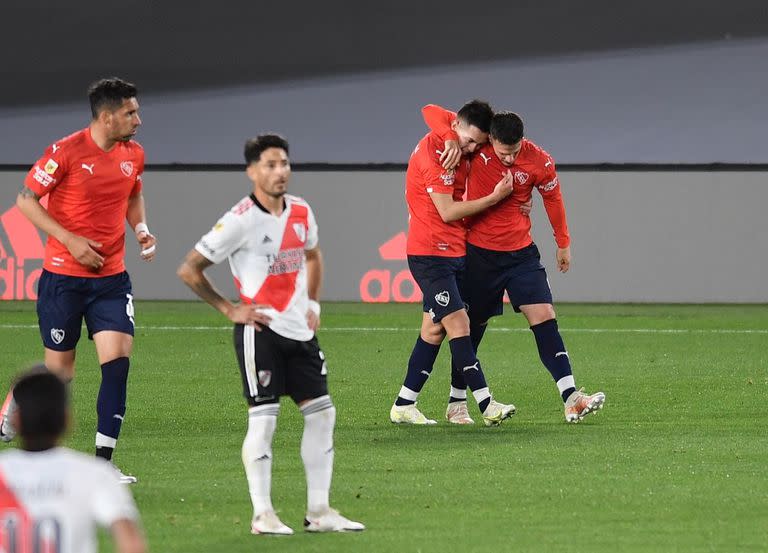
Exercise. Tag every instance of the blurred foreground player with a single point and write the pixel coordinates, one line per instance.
(271, 241)
(53, 498)
(92, 179)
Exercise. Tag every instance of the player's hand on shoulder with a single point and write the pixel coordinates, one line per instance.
(148, 244)
(85, 251)
(451, 155)
(563, 257)
(249, 314)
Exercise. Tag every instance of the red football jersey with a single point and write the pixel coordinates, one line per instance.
(502, 227)
(428, 234)
(88, 195)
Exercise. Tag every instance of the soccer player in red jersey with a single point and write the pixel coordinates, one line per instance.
(436, 248)
(501, 254)
(93, 182)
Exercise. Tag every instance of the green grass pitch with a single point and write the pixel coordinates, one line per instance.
(676, 461)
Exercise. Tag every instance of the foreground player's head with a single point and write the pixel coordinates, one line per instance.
(507, 136)
(267, 164)
(42, 405)
(472, 123)
(115, 108)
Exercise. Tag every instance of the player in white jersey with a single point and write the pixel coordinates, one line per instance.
(270, 239)
(52, 498)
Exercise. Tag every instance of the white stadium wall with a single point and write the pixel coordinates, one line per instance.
(637, 236)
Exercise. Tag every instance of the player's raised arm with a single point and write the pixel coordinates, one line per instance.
(439, 120)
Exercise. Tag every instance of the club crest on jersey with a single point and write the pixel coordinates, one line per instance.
(51, 167)
(127, 168)
(521, 177)
(301, 231)
(57, 335)
(442, 298)
(265, 377)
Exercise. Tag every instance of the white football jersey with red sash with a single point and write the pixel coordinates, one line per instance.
(266, 255)
(52, 501)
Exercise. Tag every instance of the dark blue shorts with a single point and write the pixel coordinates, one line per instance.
(489, 273)
(63, 301)
(440, 279)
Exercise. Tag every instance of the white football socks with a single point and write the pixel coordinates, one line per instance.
(257, 455)
(317, 451)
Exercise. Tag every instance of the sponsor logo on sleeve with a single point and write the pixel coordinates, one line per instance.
(51, 167)
(41, 176)
(448, 178)
(551, 185)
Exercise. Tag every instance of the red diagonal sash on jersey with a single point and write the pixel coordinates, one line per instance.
(14, 521)
(278, 289)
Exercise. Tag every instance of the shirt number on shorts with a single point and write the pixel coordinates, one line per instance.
(129, 308)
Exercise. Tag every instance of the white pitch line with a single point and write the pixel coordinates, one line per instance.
(492, 329)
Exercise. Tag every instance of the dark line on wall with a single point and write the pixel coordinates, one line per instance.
(401, 167)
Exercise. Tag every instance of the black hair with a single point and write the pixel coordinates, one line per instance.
(109, 94)
(42, 403)
(477, 113)
(255, 146)
(507, 128)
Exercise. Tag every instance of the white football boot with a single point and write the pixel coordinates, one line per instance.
(408, 414)
(331, 521)
(457, 413)
(268, 523)
(579, 404)
(497, 412)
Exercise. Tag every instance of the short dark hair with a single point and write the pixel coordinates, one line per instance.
(477, 113)
(255, 146)
(507, 128)
(109, 94)
(42, 403)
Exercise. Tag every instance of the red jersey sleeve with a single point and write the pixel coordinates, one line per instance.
(548, 186)
(48, 171)
(436, 179)
(439, 120)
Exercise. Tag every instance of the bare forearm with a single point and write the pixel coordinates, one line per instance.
(136, 212)
(29, 204)
(199, 283)
(314, 275)
(458, 210)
